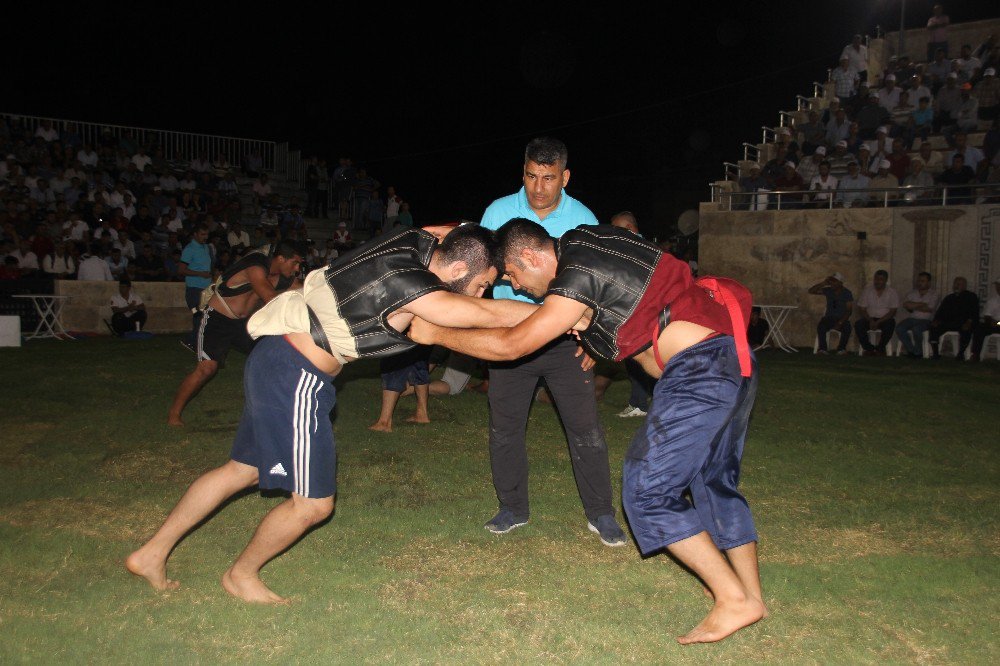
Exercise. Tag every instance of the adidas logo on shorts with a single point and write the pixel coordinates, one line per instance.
(279, 470)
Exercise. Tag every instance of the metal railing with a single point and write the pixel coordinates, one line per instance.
(788, 116)
(176, 146)
(730, 171)
(955, 195)
(818, 89)
(768, 130)
(747, 149)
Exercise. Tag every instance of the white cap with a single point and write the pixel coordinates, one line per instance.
(882, 130)
(754, 165)
(884, 164)
(952, 75)
(865, 146)
(841, 144)
(838, 277)
(890, 77)
(784, 130)
(820, 150)
(790, 164)
(989, 71)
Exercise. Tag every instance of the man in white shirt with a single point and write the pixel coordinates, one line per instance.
(87, 156)
(237, 238)
(168, 182)
(857, 54)
(990, 323)
(92, 267)
(75, 228)
(877, 305)
(59, 266)
(117, 264)
(141, 160)
(27, 261)
(128, 310)
(920, 305)
(47, 132)
(823, 186)
(888, 95)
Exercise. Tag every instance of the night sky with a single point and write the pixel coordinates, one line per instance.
(440, 102)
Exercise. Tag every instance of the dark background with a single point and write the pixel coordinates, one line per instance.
(440, 100)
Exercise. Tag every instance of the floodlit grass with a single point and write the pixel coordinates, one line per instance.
(874, 483)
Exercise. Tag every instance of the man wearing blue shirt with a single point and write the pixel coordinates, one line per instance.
(196, 268)
(571, 383)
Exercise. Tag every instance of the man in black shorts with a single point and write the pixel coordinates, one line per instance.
(357, 307)
(255, 279)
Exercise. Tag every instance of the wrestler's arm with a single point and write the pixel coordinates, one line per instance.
(557, 315)
(257, 278)
(446, 308)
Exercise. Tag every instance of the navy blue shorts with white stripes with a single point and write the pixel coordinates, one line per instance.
(285, 431)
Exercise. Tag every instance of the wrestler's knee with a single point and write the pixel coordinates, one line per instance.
(313, 510)
(206, 369)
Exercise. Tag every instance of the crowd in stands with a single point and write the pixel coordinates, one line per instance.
(875, 133)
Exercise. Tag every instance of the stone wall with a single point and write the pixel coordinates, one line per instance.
(90, 303)
(780, 254)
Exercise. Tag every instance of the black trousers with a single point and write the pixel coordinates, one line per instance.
(123, 324)
(935, 332)
(826, 324)
(861, 328)
(979, 336)
(511, 393)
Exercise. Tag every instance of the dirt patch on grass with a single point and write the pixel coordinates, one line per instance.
(88, 517)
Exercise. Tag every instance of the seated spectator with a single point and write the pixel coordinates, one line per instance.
(854, 140)
(919, 305)
(987, 91)
(823, 186)
(901, 113)
(830, 112)
(148, 266)
(141, 160)
(168, 182)
(128, 310)
(917, 89)
(877, 308)
(27, 261)
(848, 189)
(968, 64)
(60, 266)
(342, 240)
(958, 180)
(809, 165)
(751, 184)
(882, 145)
(187, 183)
(790, 180)
(375, 214)
(884, 180)
(813, 133)
(974, 158)
(839, 159)
(292, 222)
(871, 116)
(757, 328)
(328, 253)
(839, 305)
(201, 164)
(838, 128)
(919, 184)
(261, 191)
(221, 166)
(92, 266)
(171, 264)
(775, 166)
(920, 123)
(946, 102)
(932, 159)
(238, 239)
(938, 69)
(958, 311)
(117, 264)
(990, 324)
(888, 95)
(75, 228)
(899, 160)
(228, 188)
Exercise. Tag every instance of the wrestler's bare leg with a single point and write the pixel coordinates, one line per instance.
(743, 559)
(734, 607)
(281, 527)
(384, 422)
(194, 382)
(420, 414)
(204, 496)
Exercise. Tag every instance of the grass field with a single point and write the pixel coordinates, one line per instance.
(874, 484)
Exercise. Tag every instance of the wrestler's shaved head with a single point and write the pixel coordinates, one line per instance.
(518, 234)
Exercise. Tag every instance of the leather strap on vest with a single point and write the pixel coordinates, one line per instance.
(318, 334)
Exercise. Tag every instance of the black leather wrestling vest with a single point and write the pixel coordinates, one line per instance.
(374, 280)
(607, 268)
(255, 258)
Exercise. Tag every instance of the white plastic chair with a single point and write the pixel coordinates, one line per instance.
(953, 338)
(829, 344)
(993, 338)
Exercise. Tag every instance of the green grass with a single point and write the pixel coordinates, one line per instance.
(874, 483)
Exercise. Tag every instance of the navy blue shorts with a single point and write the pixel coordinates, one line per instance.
(410, 367)
(692, 441)
(285, 431)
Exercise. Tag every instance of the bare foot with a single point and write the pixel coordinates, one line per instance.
(725, 619)
(174, 420)
(418, 418)
(380, 426)
(708, 593)
(152, 568)
(407, 391)
(251, 589)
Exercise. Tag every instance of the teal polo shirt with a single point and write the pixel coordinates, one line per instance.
(198, 258)
(569, 214)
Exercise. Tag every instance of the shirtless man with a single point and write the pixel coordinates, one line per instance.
(251, 281)
(629, 299)
(354, 308)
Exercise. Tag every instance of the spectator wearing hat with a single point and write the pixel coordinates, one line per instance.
(965, 115)
(871, 116)
(987, 92)
(128, 312)
(809, 165)
(837, 316)
(839, 159)
(867, 165)
(751, 183)
(790, 180)
(990, 323)
(918, 183)
(884, 180)
(857, 55)
(823, 186)
(851, 190)
(888, 95)
(882, 145)
(831, 110)
(957, 179)
(775, 166)
(845, 78)
(946, 102)
(937, 32)
(342, 240)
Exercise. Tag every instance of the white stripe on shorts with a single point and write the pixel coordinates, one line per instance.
(306, 394)
(200, 338)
